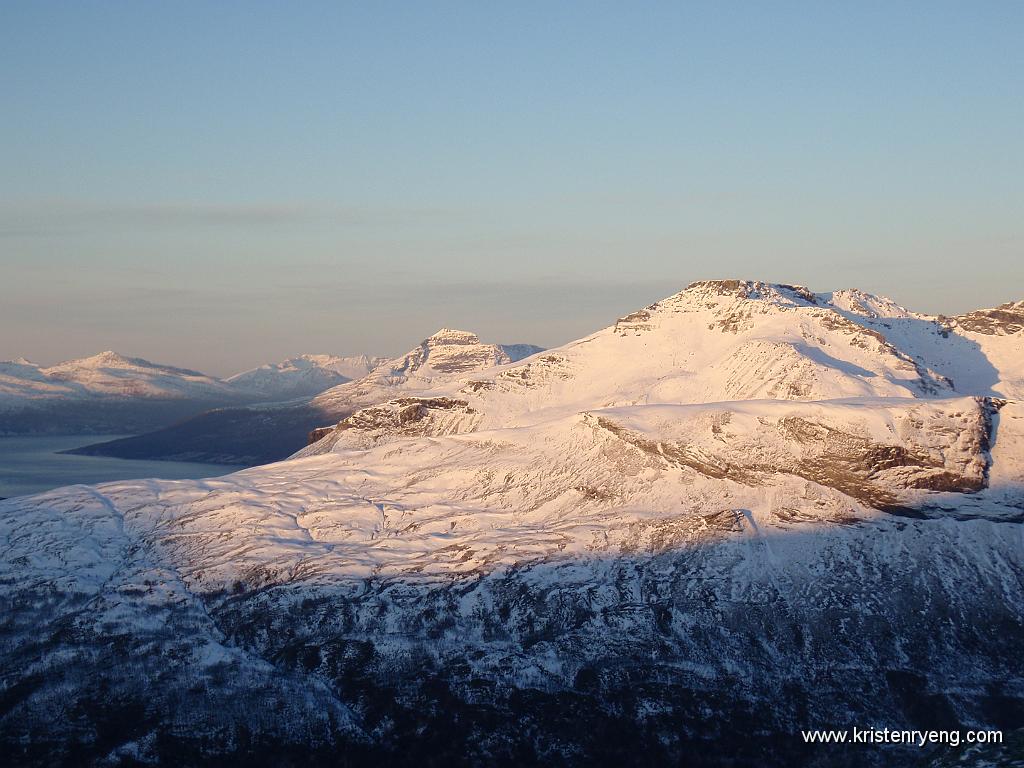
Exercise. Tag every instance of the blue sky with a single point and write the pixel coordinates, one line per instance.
(216, 185)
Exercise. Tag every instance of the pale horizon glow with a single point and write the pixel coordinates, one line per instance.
(217, 187)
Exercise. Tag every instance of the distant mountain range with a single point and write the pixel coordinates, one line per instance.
(106, 375)
(741, 512)
(270, 432)
(110, 392)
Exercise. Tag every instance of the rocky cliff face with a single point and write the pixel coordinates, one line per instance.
(589, 556)
(451, 351)
(872, 451)
(1004, 320)
(440, 358)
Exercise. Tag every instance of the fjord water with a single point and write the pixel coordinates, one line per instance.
(34, 464)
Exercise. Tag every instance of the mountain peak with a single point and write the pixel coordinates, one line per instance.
(19, 361)
(848, 301)
(748, 289)
(715, 291)
(864, 304)
(111, 357)
(109, 360)
(451, 336)
(451, 351)
(106, 359)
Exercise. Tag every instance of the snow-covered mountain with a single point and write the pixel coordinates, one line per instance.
(105, 393)
(439, 359)
(743, 511)
(110, 392)
(303, 376)
(106, 375)
(271, 432)
(722, 341)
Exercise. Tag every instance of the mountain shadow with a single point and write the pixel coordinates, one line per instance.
(714, 653)
(240, 436)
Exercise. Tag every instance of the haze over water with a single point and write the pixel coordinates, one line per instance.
(33, 464)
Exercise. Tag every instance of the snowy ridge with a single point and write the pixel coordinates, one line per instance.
(739, 340)
(112, 375)
(106, 375)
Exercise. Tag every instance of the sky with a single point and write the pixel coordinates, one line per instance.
(217, 185)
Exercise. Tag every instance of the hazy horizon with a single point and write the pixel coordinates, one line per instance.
(222, 186)
(600, 304)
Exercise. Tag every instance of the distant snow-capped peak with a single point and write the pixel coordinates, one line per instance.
(115, 361)
(303, 375)
(108, 374)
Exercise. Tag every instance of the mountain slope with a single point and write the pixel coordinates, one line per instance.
(625, 550)
(555, 568)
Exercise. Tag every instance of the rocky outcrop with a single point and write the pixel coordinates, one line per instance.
(452, 352)
(878, 453)
(397, 419)
(1006, 319)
